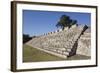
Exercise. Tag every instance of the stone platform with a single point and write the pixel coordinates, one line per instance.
(64, 43)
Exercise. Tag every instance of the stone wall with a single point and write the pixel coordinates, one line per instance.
(63, 43)
(84, 44)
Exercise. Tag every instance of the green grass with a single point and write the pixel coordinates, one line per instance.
(31, 54)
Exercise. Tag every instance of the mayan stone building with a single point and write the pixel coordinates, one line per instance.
(65, 43)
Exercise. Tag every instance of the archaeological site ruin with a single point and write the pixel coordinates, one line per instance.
(65, 43)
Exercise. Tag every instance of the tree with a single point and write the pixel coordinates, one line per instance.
(65, 21)
(26, 38)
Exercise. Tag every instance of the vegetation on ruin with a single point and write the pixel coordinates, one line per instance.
(26, 38)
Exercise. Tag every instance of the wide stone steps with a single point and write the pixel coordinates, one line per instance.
(60, 43)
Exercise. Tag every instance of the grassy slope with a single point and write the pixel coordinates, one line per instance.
(31, 54)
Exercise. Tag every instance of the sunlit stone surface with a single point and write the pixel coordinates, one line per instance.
(65, 43)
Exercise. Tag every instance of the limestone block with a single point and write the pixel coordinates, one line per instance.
(66, 53)
(66, 28)
(84, 46)
(60, 30)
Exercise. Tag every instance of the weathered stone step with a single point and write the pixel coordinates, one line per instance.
(68, 50)
(85, 38)
(55, 52)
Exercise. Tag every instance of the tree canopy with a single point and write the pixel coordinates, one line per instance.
(65, 21)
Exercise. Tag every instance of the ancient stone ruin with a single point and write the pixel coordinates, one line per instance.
(65, 43)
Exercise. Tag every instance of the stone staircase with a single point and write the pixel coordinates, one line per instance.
(62, 43)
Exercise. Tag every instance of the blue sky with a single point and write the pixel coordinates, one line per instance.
(39, 22)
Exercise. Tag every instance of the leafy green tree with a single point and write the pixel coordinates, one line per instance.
(65, 21)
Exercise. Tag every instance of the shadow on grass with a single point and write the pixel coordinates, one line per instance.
(79, 57)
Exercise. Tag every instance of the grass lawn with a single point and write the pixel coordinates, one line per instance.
(31, 54)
